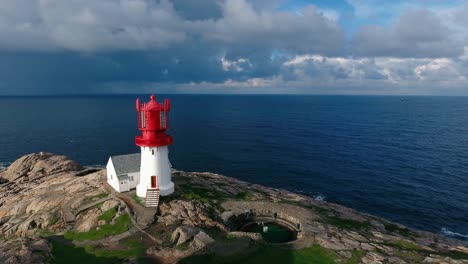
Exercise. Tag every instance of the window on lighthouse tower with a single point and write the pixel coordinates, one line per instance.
(143, 119)
(162, 119)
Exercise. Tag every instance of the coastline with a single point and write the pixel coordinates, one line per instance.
(206, 213)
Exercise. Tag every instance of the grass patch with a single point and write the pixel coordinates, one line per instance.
(138, 200)
(410, 256)
(347, 224)
(63, 253)
(98, 205)
(182, 247)
(91, 198)
(215, 232)
(355, 257)
(122, 224)
(394, 228)
(314, 254)
(195, 196)
(403, 244)
(454, 254)
(167, 198)
(317, 209)
(158, 233)
(133, 248)
(168, 236)
(242, 196)
(230, 238)
(102, 195)
(270, 254)
(411, 251)
(108, 215)
(56, 216)
(320, 210)
(201, 194)
(46, 233)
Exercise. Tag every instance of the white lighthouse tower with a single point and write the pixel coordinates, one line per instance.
(155, 168)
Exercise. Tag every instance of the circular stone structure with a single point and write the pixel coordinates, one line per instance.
(271, 231)
(272, 227)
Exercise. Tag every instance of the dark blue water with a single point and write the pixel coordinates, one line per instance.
(401, 158)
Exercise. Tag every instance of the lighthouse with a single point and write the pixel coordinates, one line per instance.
(155, 168)
(150, 170)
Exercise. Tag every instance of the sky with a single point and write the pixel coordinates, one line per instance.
(375, 47)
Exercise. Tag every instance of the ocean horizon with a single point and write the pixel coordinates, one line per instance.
(403, 158)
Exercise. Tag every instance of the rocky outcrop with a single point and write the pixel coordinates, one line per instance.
(87, 220)
(202, 240)
(188, 240)
(333, 227)
(25, 250)
(109, 205)
(42, 192)
(40, 189)
(35, 166)
(183, 234)
(191, 213)
(443, 260)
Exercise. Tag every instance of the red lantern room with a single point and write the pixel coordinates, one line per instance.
(153, 122)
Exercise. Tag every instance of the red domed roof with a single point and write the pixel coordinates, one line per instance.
(153, 105)
(153, 122)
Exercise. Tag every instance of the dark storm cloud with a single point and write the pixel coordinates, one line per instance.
(418, 33)
(84, 43)
(81, 46)
(72, 72)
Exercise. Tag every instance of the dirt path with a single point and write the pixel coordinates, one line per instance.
(140, 216)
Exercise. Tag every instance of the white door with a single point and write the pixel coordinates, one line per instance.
(124, 186)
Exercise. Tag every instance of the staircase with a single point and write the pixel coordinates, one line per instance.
(152, 198)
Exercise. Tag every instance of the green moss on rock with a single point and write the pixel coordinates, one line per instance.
(122, 224)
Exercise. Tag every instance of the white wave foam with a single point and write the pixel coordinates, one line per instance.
(4, 164)
(319, 197)
(95, 166)
(444, 231)
(315, 195)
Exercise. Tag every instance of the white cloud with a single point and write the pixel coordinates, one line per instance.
(416, 33)
(329, 13)
(441, 73)
(235, 65)
(439, 69)
(255, 82)
(334, 68)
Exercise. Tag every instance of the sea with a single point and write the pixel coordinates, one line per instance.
(401, 158)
